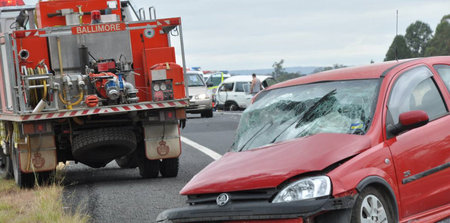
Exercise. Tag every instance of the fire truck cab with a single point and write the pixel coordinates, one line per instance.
(89, 81)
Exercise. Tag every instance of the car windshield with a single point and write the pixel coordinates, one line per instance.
(303, 110)
(195, 80)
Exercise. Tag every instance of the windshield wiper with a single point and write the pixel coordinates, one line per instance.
(306, 115)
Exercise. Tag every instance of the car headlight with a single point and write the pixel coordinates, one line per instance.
(303, 189)
(202, 96)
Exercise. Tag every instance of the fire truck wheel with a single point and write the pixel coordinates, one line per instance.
(169, 167)
(6, 169)
(128, 161)
(23, 180)
(98, 147)
(148, 168)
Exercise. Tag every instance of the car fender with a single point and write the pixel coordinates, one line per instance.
(371, 167)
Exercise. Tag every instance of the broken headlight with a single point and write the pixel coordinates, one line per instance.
(306, 188)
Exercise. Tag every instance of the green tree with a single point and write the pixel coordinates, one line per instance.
(280, 74)
(417, 36)
(278, 69)
(335, 66)
(398, 49)
(440, 44)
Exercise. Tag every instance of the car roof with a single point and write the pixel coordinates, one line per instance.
(246, 78)
(371, 71)
(194, 72)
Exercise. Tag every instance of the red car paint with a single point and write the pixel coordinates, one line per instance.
(403, 161)
(314, 153)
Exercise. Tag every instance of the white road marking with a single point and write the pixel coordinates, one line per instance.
(201, 148)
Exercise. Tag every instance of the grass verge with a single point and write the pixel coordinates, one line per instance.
(41, 204)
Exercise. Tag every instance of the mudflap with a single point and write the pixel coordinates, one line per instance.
(37, 155)
(162, 140)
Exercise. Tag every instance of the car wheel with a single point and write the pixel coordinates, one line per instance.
(6, 169)
(207, 114)
(169, 167)
(234, 107)
(372, 206)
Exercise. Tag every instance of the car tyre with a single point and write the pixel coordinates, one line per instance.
(169, 167)
(233, 106)
(207, 114)
(372, 206)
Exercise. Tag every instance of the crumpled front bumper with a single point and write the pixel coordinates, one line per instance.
(255, 210)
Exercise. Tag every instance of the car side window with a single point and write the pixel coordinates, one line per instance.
(227, 87)
(240, 86)
(444, 72)
(415, 90)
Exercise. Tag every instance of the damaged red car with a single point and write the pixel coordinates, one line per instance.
(360, 144)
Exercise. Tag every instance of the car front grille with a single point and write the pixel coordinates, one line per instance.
(238, 196)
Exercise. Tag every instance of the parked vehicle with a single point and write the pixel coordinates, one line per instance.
(215, 79)
(361, 144)
(78, 83)
(200, 99)
(234, 93)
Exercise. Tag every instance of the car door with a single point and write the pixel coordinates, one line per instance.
(242, 97)
(421, 156)
(224, 93)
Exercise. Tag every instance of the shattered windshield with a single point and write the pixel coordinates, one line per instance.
(303, 110)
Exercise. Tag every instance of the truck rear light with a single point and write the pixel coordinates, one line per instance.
(167, 115)
(36, 128)
(181, 113)
(162, 90)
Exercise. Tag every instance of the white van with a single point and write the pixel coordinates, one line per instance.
(234, 92)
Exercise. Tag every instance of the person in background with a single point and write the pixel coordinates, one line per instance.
(256, 85)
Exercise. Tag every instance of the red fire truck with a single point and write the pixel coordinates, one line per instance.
(90, 81)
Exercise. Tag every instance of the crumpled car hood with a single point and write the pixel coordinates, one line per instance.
(269, 166)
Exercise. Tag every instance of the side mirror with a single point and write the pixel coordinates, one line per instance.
(409, 120)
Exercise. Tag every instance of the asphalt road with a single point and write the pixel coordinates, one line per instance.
(111, 194)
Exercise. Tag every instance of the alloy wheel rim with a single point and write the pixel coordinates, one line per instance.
(372, 210)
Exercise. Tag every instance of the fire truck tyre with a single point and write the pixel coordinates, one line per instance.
(98, 147)
(148, 168)
(128, 161)
(207, 114)
(169, 167)
(45, 178)
(372, 206)
(6, 169)
(23, 180)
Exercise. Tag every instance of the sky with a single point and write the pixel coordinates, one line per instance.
(253, 34)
